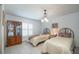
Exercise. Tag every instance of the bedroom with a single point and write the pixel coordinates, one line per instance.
(30, 15)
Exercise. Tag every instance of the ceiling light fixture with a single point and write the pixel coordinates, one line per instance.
(44, 19)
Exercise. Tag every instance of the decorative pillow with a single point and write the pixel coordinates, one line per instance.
(68, 35)
(61, 34)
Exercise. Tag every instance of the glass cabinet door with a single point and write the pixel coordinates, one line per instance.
(10, 29)
(19, 30)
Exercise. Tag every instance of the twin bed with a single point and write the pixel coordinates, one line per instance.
(61, 44)
(38, 39)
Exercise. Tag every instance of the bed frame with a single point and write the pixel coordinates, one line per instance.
(45, 31)
(66, 32)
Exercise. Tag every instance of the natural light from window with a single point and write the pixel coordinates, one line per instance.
(27, 29)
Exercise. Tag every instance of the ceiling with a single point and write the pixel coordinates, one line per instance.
(35, 11)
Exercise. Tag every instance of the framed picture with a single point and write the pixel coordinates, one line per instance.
(55, 25)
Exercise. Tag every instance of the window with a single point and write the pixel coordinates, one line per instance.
(30, 29)
(27, 29)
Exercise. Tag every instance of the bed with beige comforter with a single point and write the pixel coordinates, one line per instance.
(58, 45)
(39, 39)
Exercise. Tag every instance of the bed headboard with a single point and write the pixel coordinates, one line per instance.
(46, 31)
(66, 32)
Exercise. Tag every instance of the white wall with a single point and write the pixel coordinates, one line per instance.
(0, 32)
(36, 28)
(70, 21)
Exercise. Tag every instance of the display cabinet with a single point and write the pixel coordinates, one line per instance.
(14, 33)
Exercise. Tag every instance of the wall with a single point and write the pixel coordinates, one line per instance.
(37, 24)
(70, 21)
(0, 31)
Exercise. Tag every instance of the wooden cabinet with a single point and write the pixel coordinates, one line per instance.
(14, 33)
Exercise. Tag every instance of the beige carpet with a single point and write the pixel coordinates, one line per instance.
(24, 48)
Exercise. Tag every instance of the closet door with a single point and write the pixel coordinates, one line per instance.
(14, 33)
